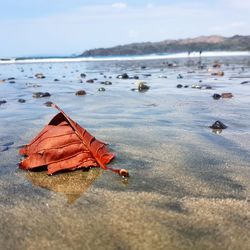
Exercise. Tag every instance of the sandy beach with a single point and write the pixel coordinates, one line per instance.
(188, 186)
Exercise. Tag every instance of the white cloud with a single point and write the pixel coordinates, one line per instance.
(119, 5)
(239, 4)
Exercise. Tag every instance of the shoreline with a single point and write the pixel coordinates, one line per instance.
(129, 58)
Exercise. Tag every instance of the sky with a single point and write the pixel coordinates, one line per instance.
(66, 27)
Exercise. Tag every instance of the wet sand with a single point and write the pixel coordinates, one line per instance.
(189, 187)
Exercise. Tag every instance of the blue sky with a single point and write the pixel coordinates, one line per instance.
(65, 27)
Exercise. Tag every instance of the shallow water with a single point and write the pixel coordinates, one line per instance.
(189, 187)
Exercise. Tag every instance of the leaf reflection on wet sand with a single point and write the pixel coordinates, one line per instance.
(72, 184)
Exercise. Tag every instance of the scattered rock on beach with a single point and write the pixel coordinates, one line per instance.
(82, 75)
(142, 86)
(226, 95)
(12, 82)
(216, 96)
(56, 80)
(80, 92)
(101, 89)
(179, 76)
(41, 94)
(162, 76)
(32, 85)
(179, 86)
(218, 125)
(219, 73)
(106, 83)
(39, 76)
(245, 82)
(123, 76)
(48, 103)
(216, 65)
(21, 100)
(2, 102)
(90, 81)
(134, 77)
(196, 86)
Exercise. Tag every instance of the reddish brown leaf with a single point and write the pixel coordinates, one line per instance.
(64, 145)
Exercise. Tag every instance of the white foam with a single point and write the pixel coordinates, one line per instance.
(129, 58)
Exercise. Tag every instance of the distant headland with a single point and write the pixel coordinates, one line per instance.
(202, 43)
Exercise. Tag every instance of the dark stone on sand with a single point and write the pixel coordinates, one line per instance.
(39, 76)
(134, 77)
(219, 73)
(101, 89)
(82, 75)
(186, 86)
(216, 96)
(226, 95)
(2, 102)
(179, 76)
(179, 86)
(143, 67)
(11, 78)
(56, 80)
(90, 81)
(142, 86)
(3, 149)
(12, 82)
(218, 125)
(208, 87)
(106, 83)
(195, 86)
(48, 103)
(147, 75)
(123, 76)
(216, 65)
(21, 100)
(245, 82)
(41, 94)
(80, 92)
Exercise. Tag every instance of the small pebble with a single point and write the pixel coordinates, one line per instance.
(41, 94)
(2, 102)
(39, 76)
(123, 76)
(48, 103)
(80, 92)
(90, 81)
(226, 95)
(101, 89)
(218, 125)
(21, 100)
(216, 96)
